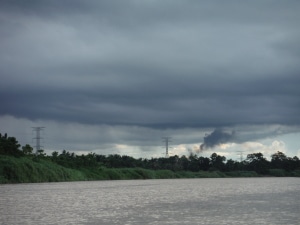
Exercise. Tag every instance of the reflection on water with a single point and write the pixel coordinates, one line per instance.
(182, 201)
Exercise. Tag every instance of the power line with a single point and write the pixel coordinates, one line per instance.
(166, 140)
(38, 137)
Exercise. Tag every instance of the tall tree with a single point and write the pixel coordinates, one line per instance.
(258, 163)
(9, 146)
(217, 161)
(27, 149)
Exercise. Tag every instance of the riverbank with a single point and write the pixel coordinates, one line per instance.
(28, 170)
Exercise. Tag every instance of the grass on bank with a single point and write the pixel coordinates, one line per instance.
(25, 170)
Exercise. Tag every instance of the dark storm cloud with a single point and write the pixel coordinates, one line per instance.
(151, 63)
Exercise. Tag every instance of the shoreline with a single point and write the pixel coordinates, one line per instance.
(25, 170)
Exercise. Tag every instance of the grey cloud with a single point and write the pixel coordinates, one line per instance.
(185, 105)
(154, 64)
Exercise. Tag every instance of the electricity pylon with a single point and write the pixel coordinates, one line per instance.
(38, 138)
(166, 140)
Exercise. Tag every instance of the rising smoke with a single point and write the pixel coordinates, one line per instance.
(217, 137)
(222, 136)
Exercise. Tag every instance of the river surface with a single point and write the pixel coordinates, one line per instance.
(175, 201)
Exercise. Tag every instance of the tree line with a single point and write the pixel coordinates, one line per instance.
(253, 162)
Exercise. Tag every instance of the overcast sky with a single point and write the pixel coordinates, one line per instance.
(116, 76)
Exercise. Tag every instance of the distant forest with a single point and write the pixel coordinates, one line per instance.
(279, 165)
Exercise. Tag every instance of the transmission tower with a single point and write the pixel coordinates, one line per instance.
(240, 153)
(166, 140)
(38, 137)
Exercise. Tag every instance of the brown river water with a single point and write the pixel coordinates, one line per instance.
(210, 201)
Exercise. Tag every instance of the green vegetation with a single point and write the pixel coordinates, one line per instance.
(22, 166)
(25, 170)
